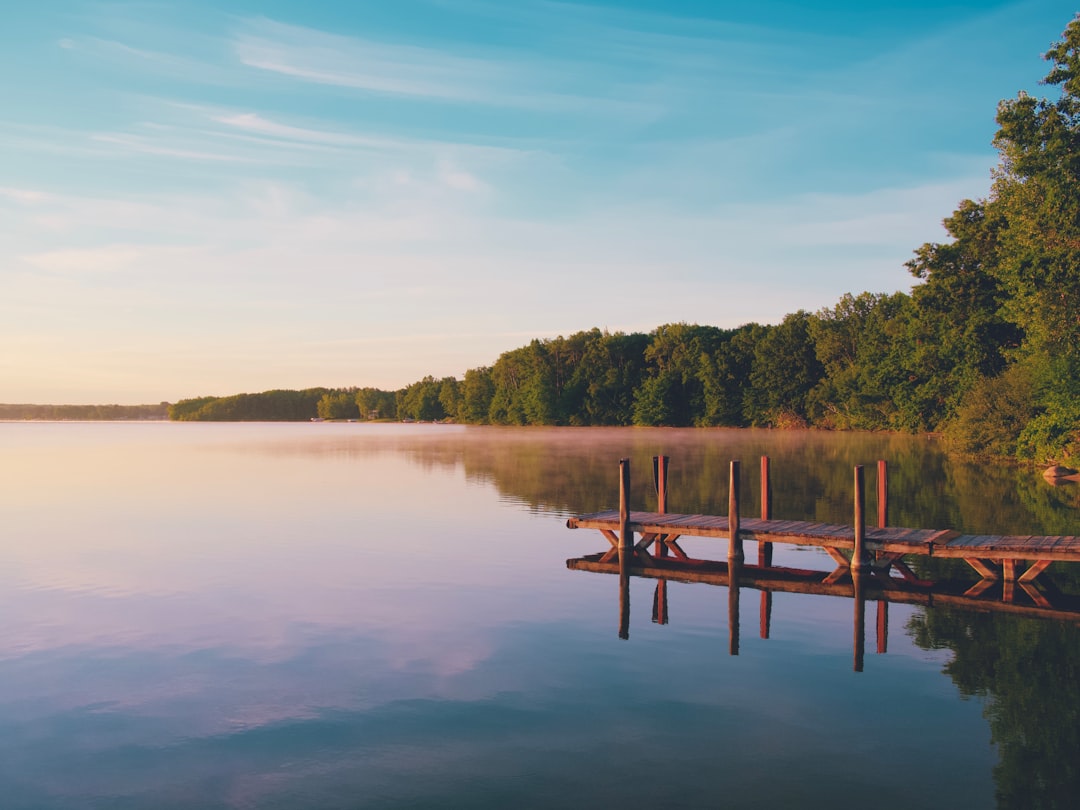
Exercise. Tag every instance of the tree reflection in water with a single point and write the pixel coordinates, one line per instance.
(1028, 673)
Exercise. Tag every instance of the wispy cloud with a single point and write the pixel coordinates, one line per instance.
(144, 145)
(434, 74)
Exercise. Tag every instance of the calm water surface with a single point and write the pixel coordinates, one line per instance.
(380, 616)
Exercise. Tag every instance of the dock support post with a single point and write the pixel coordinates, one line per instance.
(765, 548)
(882, 522)
(858, 555)
(882, 493)
(735, 549)
(626, 537)
(660, 475)
(626, 548)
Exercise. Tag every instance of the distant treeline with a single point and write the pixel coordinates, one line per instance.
(269, 406)
(986, 348)
(84, 412)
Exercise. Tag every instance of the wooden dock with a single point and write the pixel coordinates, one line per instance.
(1012, 558)
(870, 561)
(992, 556)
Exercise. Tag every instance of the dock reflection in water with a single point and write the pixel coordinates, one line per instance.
(860, 587)
(863, 572)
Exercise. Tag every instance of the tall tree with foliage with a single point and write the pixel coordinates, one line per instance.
(671, 392)
(1019, 250)
(1038, 192)
(784, 371)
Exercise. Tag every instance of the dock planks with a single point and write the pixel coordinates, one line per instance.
(929, 542)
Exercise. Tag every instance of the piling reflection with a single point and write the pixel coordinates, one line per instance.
(861, 587)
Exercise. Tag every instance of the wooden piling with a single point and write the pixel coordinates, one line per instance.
(735, 549)
(882, 522)
(765, 548)
(626, 537)
(882, 493)
(626, 548)
(660, 475)
(858, 555)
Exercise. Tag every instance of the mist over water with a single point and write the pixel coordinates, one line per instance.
(349, 615)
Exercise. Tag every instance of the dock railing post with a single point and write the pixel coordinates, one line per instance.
(735, 549)
(858, 555)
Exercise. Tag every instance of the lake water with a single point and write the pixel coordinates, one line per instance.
(381, 616)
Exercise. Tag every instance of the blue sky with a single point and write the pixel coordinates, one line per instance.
(209, 198)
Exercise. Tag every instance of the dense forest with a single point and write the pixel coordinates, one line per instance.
(985, 349)
(84, 412)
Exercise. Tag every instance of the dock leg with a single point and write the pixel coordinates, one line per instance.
(1008, 572)
(735, 549)
(626, 548)
(858, 557)
(765, 548)
(626, 537)
(660, 475)
(882, 493)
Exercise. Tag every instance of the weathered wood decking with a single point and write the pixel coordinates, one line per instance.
(928, 542)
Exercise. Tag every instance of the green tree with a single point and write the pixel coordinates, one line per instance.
(606, 378)
(672, 392)
(476, 392)
(374, 403)
(525, 389)
(1037, 191)
(785, 369)
(450, 396)
(725, 377)
(338, 405)
(420, 401)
